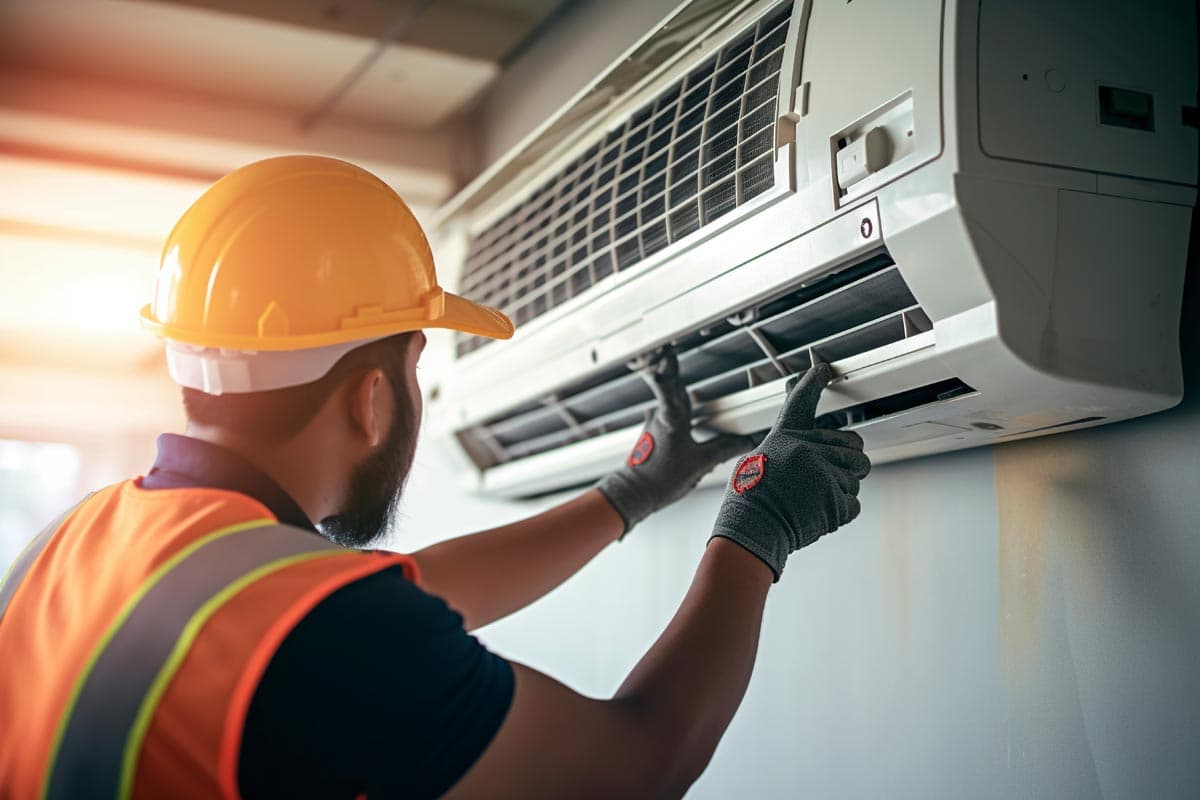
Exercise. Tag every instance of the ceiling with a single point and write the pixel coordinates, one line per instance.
(115, 114)
(282, 54)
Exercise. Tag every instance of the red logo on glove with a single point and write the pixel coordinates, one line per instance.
(749, 473)
(642, 450)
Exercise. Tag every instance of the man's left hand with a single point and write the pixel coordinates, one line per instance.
(666, 462)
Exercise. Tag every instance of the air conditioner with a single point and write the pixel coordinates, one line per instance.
(978, 212)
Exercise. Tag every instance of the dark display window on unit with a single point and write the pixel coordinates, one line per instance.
(1126, 108)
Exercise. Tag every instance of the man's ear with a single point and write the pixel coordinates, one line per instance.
(370, 402)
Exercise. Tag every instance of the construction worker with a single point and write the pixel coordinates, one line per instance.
(191, 632)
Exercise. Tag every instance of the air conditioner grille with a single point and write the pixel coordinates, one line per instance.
(700, 149)
(855, 311)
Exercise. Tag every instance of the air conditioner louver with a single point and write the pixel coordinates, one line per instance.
(858, 310)
(704, 146)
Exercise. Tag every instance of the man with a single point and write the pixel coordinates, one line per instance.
(190, 633)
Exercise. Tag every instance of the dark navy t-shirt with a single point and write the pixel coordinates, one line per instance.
(378, 690)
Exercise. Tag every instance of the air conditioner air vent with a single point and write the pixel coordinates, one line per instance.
(901, 401)
(858, 310)
(701, 148)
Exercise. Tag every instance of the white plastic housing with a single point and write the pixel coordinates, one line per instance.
(1001, 153)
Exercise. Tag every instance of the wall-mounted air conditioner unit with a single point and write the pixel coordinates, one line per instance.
(978, 212)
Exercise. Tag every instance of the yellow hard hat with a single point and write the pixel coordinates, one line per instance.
(291, 254)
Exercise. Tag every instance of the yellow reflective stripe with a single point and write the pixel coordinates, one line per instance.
(137, 735)
(116, 624)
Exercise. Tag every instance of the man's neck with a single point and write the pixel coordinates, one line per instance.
(293, 464)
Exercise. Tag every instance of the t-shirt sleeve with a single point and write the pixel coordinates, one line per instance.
(378, 690)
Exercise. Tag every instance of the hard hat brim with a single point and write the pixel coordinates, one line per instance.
(464, 315)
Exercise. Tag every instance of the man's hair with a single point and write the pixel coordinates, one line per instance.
(275, 416)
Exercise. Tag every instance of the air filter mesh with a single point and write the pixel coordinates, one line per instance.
(700, 149)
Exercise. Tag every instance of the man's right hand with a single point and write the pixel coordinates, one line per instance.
(798, 485)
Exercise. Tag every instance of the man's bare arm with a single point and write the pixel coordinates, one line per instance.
(488, 575)
(657, 734)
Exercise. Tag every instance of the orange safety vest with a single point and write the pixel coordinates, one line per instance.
(134, 631)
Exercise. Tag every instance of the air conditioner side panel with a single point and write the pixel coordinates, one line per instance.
(1053, 58)
(1118, 280)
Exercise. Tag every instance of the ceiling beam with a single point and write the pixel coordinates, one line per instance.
(488, 30)
(198, 137)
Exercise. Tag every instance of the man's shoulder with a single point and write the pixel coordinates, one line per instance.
(384, 597)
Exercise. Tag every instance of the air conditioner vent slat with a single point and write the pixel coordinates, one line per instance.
(858, 310)
(861, 339)
(701, 148)
(872, 297)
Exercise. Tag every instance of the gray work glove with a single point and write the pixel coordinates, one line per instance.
(799, 484)
(666, 463)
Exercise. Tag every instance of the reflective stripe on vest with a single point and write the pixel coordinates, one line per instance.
(101, 733)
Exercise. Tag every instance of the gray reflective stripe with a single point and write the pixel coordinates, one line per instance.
(12, 578)
(89, 758)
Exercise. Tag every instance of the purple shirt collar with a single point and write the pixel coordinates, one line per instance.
(184, 462)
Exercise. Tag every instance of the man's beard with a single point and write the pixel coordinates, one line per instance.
(377, 483)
